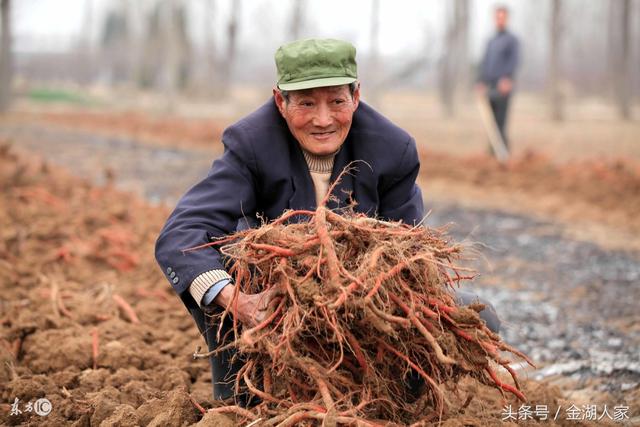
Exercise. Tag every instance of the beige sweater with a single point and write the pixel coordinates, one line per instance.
(320, 170)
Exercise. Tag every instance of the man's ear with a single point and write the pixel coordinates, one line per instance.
(279, 99)
(356, 96)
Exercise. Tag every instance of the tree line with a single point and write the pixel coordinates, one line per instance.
(148, 45)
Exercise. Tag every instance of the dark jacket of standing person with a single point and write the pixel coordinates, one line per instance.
(497, 71)
(500, 59)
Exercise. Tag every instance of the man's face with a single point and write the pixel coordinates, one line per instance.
(501, 19)
(319, 118)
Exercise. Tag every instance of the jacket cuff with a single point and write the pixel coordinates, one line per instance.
(204, 281)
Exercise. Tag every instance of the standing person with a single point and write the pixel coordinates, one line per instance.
(285, 155)
(496, 77)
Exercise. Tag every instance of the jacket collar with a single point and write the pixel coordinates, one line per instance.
(344, 189)
(303, 197)
(303, 191)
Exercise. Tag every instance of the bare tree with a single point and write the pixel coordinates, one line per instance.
(114, 54)
(121, 45)
(462, 43)
(374, 54)
(297, 19)
(446, 80)
(635, 72)
(622, 73)
(134, 42)
(613, 42)
(171, 65)
(207, 83)
(85, 47)
(555, 39)
(209, 38)
(6, 59)
(229, 60)
(454, 62)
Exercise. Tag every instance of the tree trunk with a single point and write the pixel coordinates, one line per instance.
(555, 39)
(445, 77)
(134, 42)
(85, 46)
(613, 43)
(297, 19)
(171, 63)
(209, 38)
(229, 60)
(623, 74)
(6, 58)
(207, 81)
(454, 66)
(462, 43)
(374, 54)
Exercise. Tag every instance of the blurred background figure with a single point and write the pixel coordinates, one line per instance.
(498, 68)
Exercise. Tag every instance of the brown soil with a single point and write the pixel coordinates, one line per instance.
(163, 130)
(66, 248)
(600, 196)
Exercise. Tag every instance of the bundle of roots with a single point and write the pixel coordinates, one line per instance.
(365, 329)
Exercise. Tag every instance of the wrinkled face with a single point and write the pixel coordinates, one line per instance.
(319, 118)
(501, 19)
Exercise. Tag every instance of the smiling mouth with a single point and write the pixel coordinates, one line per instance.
(322, 135)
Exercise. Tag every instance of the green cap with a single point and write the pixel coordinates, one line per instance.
(305, 64)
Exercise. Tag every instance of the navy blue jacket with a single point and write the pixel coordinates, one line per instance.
(500, 59)
(263, 172)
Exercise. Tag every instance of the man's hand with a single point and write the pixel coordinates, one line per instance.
(481, 89)
(251, 309)
(505, 85)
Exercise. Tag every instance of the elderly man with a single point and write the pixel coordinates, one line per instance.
(284, 156)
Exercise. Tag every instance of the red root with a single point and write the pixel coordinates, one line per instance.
(128, 310)
(362, 304)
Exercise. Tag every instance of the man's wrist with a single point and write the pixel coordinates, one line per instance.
(225, 295)
(203, 283)
(212, 293)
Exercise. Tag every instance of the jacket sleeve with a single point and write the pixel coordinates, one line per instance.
(401, 198)
(212, 208)
(512, 58)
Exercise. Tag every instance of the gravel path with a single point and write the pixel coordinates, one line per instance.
(160, 174)
(570, 305)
